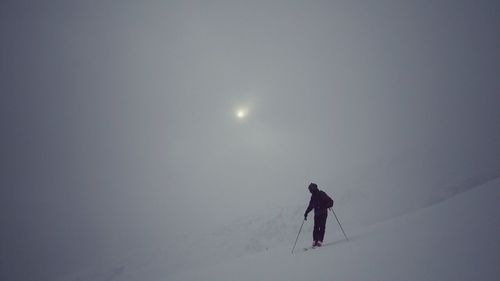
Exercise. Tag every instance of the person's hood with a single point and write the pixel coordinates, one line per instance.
(313, 188)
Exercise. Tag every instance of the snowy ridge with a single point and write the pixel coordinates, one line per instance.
(454, 240)
(270, 235)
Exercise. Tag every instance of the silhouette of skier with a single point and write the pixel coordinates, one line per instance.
(320, 202)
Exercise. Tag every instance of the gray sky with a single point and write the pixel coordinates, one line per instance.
(119, 125)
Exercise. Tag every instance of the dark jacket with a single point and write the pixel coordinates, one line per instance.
(320, 202)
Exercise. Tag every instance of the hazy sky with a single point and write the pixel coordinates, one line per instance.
(119, 124)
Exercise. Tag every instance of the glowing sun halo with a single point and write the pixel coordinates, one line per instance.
(241, 113)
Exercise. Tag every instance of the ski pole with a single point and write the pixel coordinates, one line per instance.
(298, 235)
(339, 224)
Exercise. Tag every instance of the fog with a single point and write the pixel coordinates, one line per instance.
(119, 118)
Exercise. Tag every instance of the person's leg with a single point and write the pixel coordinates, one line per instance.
(321, 227)
(316, 230)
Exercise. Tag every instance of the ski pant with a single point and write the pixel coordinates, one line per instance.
(319, 227)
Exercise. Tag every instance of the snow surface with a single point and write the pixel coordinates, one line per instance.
(458, 239)
(455, 239)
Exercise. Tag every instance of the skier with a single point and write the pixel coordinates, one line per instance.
(320, 202)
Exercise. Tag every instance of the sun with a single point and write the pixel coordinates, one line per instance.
(241, 113)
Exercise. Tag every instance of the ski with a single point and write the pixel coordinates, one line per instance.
(309, 248)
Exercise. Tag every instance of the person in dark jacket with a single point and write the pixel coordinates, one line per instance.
(320, 202)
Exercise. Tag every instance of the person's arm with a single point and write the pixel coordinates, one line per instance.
(309, 208)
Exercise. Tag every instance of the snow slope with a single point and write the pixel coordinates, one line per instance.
(457, 239)
(452, 239)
